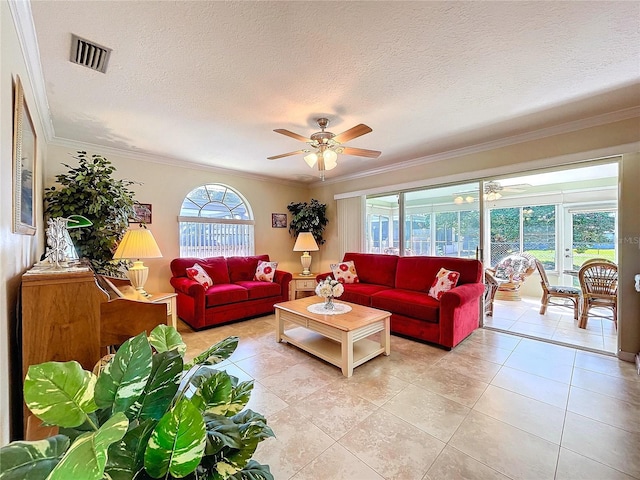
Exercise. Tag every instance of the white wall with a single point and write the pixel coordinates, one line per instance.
(17, 252)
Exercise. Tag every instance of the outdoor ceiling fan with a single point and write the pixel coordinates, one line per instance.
(325, 146)
(492, 190)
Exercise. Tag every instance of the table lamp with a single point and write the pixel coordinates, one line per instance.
(305, 243)
(137, 244)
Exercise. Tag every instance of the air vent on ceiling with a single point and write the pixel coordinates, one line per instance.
(89, 54)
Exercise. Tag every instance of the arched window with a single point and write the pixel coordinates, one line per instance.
(215, 221)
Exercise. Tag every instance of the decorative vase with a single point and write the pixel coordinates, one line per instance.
(328, 303)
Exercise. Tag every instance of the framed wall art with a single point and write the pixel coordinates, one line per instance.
(278, 220)
(142, 213)
(24, 164)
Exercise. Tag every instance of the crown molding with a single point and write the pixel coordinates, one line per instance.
(165, 160)
(23, 21)
(568, 127)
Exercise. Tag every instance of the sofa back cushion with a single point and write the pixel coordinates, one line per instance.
(243, 269)
(418, 273)
(216, 268)
(374, 268)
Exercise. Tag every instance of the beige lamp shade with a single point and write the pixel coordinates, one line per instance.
(137, 244)
(305, 243)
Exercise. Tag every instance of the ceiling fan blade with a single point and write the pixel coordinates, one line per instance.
(287, 154)
(361, 152)
(292, 135)
(352, 133)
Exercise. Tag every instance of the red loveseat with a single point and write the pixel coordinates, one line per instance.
(400, 285)
(234, 294)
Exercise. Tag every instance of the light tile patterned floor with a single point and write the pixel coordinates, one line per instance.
(496, 407)
(557, 324)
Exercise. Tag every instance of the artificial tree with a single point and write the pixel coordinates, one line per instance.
(308, 217)
(91, 191)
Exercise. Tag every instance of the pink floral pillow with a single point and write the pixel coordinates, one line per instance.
(345, 272)
(198, 274)
(265, 271)
(445, 281)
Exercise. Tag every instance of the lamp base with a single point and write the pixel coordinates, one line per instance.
(137, 275)
(305, 259)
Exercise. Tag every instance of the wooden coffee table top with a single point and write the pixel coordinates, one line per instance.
(358, 317)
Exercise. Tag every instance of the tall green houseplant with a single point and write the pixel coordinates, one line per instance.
(91, 191)
(308, 217)
(147, 414)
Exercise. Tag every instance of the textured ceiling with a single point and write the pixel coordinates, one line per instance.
(207, 82)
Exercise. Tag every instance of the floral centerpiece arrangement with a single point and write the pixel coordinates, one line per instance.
(329, 289)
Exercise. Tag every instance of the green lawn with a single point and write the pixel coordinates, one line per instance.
(578, 258)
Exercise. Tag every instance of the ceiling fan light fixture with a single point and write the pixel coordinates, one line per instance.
(469, 199)
(491, 196)
(330, 159)
(311, 159)
(458, 200)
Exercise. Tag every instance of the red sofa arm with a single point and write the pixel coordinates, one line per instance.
(188, 287)
(459, 313)
(283, 278)
(321, 276)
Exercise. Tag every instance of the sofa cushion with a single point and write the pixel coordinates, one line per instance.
(197, 273)
(345, 272)
(408, 303)
(259, 289)
(216, 267)
(225, 293)
(417, 273)
(360, 293)
(243, 269)
(374, 268)
(265, 271)
(445, 280)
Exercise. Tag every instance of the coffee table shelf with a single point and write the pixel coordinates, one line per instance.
(342, 340)
(330, 350)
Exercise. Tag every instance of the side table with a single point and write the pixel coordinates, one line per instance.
(301, 283)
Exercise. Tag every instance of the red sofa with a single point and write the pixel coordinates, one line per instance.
(234, 294)
(400, 285)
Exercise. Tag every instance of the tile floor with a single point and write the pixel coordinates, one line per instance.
(498, 406)
(557, 324)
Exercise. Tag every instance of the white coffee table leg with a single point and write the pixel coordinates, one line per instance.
(347, 354)
(386, 336)
(279, 326)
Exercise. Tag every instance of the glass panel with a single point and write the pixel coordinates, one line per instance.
(417, 234)
(199, 196)
(382, 229)
(470, 233)
(593, 236)
(215, 210)
(505, 233)
(539, 233)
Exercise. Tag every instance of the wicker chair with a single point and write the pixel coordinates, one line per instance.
(599, 284)
(549, 292)
(511, 272)
(491, 285)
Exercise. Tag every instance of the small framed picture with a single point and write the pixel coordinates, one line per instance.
(142, 213)
(278, 220)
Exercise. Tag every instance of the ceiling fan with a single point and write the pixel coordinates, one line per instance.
(492, 190)
(327, 145)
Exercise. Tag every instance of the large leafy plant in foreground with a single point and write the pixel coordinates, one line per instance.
(146, 415)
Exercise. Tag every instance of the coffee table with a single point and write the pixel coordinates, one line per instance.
(338, 339)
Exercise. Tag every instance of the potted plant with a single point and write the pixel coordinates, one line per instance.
(91, 191)
(145, 415)
(308, 217)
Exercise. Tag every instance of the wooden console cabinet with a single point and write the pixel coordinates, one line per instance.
(60, 318)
